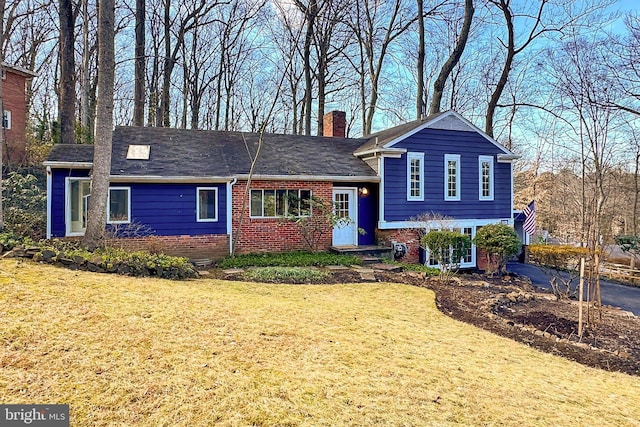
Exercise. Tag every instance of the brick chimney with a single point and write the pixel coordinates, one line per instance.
(334, 124)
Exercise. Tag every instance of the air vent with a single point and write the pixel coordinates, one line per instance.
(138, 152)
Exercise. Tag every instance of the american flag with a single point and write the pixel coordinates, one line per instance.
(530, 218)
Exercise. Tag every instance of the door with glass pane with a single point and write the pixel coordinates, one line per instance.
(345, 233)
(78, 192)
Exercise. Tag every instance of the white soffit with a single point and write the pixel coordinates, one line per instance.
(138, 152)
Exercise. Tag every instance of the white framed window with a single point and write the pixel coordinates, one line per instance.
(6, 119)
(485, 177)
(415, 176)
(119, 205)
(77, 193)
(207, 204)
(452, 177)
(274, 203)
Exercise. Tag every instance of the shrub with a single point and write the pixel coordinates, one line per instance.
(24, 204)
(288, 259)
(448, 248)
(499, 242)
(285, 274)
(556, 259)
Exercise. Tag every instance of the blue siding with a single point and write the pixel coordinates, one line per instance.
(167, 209)
(368, 213)
(435, 143)
(170, 209)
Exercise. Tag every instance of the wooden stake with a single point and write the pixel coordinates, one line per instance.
(580, 290)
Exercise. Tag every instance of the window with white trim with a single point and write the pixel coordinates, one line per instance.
(485, 177)
(207, 204)
(452, 177)
(77, 194)
(415, 176)
(119, 205)
(6, 119)
(274, 203)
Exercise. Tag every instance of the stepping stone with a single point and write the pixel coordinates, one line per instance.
(391, 268)
(233, 271)
(368, 276)
(337, 267)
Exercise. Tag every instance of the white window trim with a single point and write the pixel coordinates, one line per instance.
(447, 158)
(7, 114)
(198, 219)
(128, 220)
(481, 160)
(275, 190)
(67, 206)
(420, 157)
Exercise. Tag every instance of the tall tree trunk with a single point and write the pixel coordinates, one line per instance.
(97, 214)
(454, 58)
(420, 99)
(67, 101)
(506, 69)
(168, 67)
(140, 68)
(2, 143)
(85, 98)
(311, 13)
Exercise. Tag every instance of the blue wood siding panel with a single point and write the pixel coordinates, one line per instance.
(57, 197)
(435, 143)
(170, 209)
(166, 209)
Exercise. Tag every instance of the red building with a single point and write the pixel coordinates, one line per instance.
(14, 117)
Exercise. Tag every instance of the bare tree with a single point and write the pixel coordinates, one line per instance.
(97, 213)
(452, 61)
(67, 90)
(140, 65)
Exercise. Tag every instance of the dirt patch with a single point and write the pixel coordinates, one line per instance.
(511, 307)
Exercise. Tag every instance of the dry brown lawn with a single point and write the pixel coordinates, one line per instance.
(143, 352)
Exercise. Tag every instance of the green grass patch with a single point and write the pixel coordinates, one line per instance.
(285, 274)
(288, 259)
(421, 268)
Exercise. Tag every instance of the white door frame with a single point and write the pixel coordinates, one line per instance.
(353, 214)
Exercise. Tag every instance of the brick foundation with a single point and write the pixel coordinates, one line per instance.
(211, 246)
(275, 234)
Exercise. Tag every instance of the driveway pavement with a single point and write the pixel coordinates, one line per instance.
(625, 297)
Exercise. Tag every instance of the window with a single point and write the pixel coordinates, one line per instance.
(207, 204)
(277, 203)
(485, 170)
(415, 173)
(119, 205)
(6, 119)
(452, 177)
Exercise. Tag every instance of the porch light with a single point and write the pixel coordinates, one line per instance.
(364, 191)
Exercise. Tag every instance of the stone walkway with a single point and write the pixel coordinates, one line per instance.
(366, 271)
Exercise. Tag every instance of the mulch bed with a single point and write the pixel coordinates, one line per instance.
(509, 306)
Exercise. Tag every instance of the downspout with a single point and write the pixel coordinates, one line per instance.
(381, 218)
(230, 185)
(49, 189)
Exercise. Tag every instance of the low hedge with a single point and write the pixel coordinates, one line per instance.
(108, 260)
(289, 259)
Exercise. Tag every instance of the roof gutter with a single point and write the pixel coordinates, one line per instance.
(507, 158)
(68, 165)
(334, 178)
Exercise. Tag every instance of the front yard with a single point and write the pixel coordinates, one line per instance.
(126, 351)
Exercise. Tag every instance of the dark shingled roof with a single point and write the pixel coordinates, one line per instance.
(379, 139)
(198, 153)
(71, 153)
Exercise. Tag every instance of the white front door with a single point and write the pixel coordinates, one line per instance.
(345, 205)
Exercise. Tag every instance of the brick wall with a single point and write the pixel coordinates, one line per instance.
(211, 246)
(14, 99)
(410, 237)
(275, 234)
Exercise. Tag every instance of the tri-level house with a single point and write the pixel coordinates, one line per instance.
(14, 112)
(195, 192)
